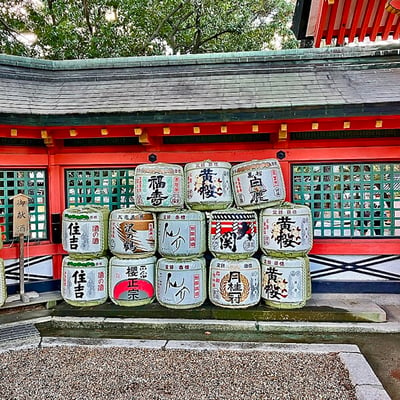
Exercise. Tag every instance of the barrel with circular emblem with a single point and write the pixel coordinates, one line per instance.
(284, 282)
(234, 283)
(181, 284)
(208, 185)
(182, 234)
(84, 231)
(132, 233)
(233, 233)
(286, 230)
(258, 184)
(84, 281)
(159, 187)
(132, 281)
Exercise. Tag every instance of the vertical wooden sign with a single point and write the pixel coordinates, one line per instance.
(20, 230)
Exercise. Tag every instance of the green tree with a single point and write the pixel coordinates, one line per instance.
(68, 29)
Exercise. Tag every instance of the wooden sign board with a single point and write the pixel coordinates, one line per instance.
(20, 215)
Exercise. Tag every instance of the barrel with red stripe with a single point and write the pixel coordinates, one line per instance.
(233, 234)
(131, 281)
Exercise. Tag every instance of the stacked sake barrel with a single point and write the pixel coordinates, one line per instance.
(286, 239)
(3, 287)
(234, 277)
(181, 267)
(132, 239)
(85, 269)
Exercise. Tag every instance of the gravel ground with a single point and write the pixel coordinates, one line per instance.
(72, 373)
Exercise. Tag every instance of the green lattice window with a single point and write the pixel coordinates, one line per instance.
(108, 187)
(33, 183)
(350, 200)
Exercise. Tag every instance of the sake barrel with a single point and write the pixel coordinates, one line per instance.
(284, 281)
(181, 284)
(84, 281)
(84, 231)
(182, 234)
(258, 184)
(132, 233)
(234, 283)
(208, 185)
(233, 233)
(159, 187)
(132, 281)
(286, 230)
(3, 287)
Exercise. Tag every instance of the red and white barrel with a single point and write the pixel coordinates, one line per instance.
(84, 231)
(284, 282)
(159, 187)
(182, 234)
(233, 233)
(286, 230)
(132, 281)
(234, 283)
(181, 284)
(258, 184)
(208, 185)
(132, 233)
(84, 281)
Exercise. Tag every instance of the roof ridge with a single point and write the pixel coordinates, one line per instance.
(205, 58)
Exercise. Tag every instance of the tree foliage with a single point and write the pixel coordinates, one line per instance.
(69, 29)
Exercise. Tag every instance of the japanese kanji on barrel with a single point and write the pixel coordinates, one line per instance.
(84, 231)
(258, 184)
(181, 283)
(159, 187)
(234, 283)
(208, 185)
(182, 234)
(84, 282)
(284, 281)
(132, 281)
(286, 230)
(132, 233)
(233, 233)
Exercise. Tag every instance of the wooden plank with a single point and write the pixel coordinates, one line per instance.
(377, 22)
(366, 20)
(344, 20)
(321, 23)
(354, 22)
(331, 22)
(388, 26)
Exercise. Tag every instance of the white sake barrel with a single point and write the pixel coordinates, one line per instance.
(181, 284)
(208, 185)
(159, 187)
(84, 231)
(284, 282)
(84, 281)
(233, 233)
(132, 281)
(286, 230)
(258, 184)
(3, 287)
(234, 283)
(132, 233)
(182, 234)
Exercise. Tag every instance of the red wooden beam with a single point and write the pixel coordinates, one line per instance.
(388, 26)
(365, 23)
(344, 20)
(331, 22)
(354, 23)
(378, 19)
(321, 23)
(396, 33)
